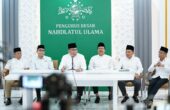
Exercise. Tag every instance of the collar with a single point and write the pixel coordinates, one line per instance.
(40, 58)
(71, 56)
(130, 58)
(17, 59)
(102, 55)
(163, 60)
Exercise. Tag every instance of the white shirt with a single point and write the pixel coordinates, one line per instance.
(42, 64)
(16, 64)
(163, 72)
(104, 62)
(78, 62)
(133, 64)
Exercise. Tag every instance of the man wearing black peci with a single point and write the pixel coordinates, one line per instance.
(73, 61)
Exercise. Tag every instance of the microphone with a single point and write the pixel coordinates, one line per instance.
(72, 64)
(73, 70)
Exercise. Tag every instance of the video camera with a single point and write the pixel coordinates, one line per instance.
(56, 85)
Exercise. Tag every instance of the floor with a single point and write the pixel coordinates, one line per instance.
(160, 100)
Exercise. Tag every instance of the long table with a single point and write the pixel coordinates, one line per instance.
(86, 78)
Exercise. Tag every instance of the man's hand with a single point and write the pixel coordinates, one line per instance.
(5, 72)
(158, 65)
(79, 70)
(161, 65)
(63, 69)
(137, 76)
(26, 68)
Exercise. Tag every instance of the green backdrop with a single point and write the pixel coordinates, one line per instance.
(85, 22)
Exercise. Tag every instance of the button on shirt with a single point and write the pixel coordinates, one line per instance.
(16, 64)
(104, 62)
(77, 62)
(44, 63)
(133, 64)
(163, 72)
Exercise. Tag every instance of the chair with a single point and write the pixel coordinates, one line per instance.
(15, 85)
(55, 64)
(146, 82)
(130, 84)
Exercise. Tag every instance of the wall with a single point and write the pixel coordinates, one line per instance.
(122, 26)
(158, 26)
(29, 26)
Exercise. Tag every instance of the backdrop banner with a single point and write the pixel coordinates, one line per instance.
(85, 22)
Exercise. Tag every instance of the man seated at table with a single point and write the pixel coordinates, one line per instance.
(41, 62)
(133, 63)
(160, 70)
(73, 61)
(101, 62)
(16, 63)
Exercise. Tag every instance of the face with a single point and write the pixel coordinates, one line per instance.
(162, 54)
(129, 53)
(41, 52)
(101, 50)
(73, 51)
(18, 54)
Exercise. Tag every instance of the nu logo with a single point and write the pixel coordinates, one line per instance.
(75, 11)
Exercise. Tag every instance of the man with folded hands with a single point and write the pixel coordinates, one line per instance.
(160, 71)
(101, 62)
